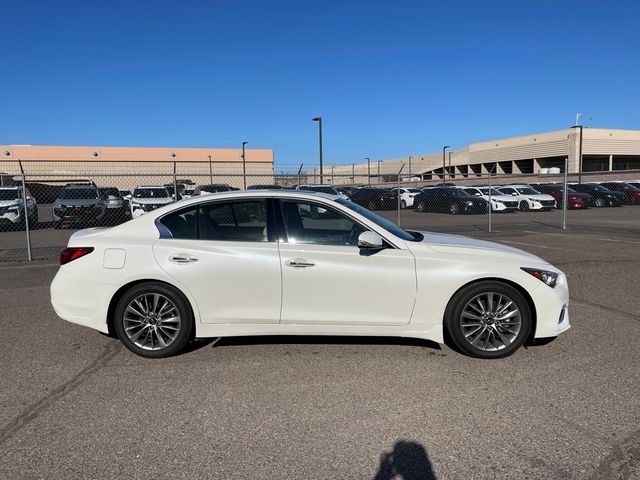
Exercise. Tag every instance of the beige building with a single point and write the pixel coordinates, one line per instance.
(127, 167)
(603, 150)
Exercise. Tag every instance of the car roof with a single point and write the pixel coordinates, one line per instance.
(152, 186)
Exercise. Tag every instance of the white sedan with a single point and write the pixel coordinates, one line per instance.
(407, 195)
(256, 263)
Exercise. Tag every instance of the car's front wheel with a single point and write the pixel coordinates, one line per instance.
(153, 320)
(488, 319)
(524, 206)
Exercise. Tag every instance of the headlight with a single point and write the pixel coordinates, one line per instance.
(469, 203)
(550, 278)
(15, 206)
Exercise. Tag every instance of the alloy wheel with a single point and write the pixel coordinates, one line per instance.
(490, 321)
(151, 321)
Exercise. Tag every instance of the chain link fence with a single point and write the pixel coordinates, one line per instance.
(43, 203)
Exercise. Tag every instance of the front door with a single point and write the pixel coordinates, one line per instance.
(327, 279)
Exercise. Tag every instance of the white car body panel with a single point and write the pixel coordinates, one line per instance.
(533, 200)
(236, 289)
(406, 196)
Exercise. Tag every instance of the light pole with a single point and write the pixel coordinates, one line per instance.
(409, 165)
(450, 175)
(368, 169)
(319, 120)
(579, 127)
(210, 171)
(244, 166)
(443, 160)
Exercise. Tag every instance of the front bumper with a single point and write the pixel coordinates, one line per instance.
(552, 309)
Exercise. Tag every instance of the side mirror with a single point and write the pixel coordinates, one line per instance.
(370, 240)
(478, 194)
(515, 194)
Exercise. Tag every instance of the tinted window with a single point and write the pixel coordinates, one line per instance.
(378, 220)
(105, 192)
(527, 191)
(508, 191)
(79, 193)
(150, 193)
(182, 224)
(307, 222)
(243, 221)
(10, 194)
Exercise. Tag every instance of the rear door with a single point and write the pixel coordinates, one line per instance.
(224, 254)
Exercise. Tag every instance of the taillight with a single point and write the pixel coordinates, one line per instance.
(70, 254)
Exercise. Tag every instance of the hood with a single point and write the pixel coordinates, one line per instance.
(500, 198)
(459, 245)
(152, 201)
(80, 202)
(538, 196)
(9, 203)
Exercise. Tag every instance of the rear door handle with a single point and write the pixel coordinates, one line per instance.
(182, 258)
(299, 263)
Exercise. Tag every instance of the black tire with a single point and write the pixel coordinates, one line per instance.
(453, 318)
(454, 209)
(421, 206)
(181, 304)
(600, 202)
(403, 204)
(524, 206)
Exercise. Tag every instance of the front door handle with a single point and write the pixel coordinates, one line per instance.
(299, 263)
(182, 258)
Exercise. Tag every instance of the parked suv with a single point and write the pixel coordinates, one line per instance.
(12, 211)
(499, 201)
(451, 200)
(149, 197)
(574, 199)
(602, 196)
(375, 198)
(78, 204)
(117, 209)
(631, 192)
(529, 198)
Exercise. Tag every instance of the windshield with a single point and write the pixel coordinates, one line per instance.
(378, 220)
(485, 191)
(79, 194)
(12, 194)
(150, 193)
(458, 192)
(598, 188)
(414, 190)
(106, 192)
(329, 190)
(527, 191)
(629, 186)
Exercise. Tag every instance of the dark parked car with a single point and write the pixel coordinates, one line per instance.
(212, 188)
(631, 192)
(117, 209)
(265, 187)
(574, 199)
(375, 198)
(602, 196)
(78, 204)
(448, 200)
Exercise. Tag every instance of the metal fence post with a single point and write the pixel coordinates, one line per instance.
(490, 204)
(564, 195)
(175, 184)
(25, 211)
(399, 172)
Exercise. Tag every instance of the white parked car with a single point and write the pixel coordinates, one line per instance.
(499, 201)
(148, 198)
(529, 198)
(250, 263)
(12, 211)
(328, 189)
(406, 196)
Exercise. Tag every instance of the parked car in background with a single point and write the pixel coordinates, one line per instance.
(212, 188)
(451, 200)
(148, 198)
(635, 183)
(265, 187)
(499, 201)
(631, 192)
(574, 199)
(328, 189)
(117, 209)
(528, 198)
(602, 196)
(188, 192)
(246, 263)
(375, 198)
(78, 205)
(406, 196)
(12, 207)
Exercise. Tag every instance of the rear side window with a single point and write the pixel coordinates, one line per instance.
(182, 224)
(244, 221)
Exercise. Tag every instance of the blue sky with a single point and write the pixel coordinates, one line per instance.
(389, 78)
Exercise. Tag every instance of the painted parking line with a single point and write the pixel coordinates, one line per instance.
(581, 235)
(539, 246)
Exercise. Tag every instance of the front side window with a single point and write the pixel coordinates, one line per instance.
(508, 191)
(242, 221)
(311, 223)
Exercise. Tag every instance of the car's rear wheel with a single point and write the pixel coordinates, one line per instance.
(403, 204)
(524, 206)
(488, 319)
(153, 320)
(600, 202)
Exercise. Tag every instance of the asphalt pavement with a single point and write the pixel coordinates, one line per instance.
(75, 404)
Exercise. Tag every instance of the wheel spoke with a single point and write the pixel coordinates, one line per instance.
(510, 314)
(490, 321)
(471, 316)
(505, 341)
